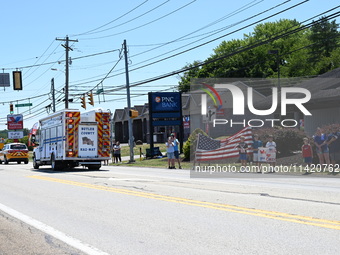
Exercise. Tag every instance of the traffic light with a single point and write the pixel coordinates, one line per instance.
(11, 109)
(91, 101)
(133, 114)
(83, 101)
(17, 80)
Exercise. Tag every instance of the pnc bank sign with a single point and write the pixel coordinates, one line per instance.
(239, 106)
(165, 101)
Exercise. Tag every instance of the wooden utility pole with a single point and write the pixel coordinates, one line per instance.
(67, 48)
(131, 138)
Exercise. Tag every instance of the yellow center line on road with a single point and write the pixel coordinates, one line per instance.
(331, 224)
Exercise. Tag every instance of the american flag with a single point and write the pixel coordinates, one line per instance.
(211, 149)
(207, 143)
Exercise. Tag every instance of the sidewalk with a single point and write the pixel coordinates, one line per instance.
(126, 158)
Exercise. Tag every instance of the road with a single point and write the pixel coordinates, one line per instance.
(129, 210)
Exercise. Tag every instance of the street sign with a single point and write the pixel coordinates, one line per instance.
(99, 91)
(23, 105)
(15, 135)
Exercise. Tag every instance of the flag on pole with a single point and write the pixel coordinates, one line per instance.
(211, 149)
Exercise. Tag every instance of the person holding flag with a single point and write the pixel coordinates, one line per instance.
(242, 148)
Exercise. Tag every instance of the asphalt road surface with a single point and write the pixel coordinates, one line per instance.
(129, 210)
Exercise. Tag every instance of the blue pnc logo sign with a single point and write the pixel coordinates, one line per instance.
(166, 102)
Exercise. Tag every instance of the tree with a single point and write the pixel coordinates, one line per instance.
(231, 59)
(324, 37)
(184, 83)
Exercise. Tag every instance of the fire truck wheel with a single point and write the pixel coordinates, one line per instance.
(54, 164)
(35, 164)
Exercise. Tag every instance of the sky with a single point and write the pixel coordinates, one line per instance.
(162, 36)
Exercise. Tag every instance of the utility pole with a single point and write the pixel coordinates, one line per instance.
(131, 138)
(53, 94)
(67, 48)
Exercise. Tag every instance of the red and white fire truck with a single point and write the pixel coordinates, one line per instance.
(69, 138)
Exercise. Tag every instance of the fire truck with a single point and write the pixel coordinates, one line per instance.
(68, 138)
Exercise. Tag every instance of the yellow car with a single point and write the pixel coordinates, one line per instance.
(14, 152)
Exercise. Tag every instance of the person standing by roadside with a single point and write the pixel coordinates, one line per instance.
(242, 148)
(113, 143)
(307, 152)
(271, 145)
(333, 142)
(256, 145)
(322, 150)
(116, 152)
(170, 153)
(176, 151)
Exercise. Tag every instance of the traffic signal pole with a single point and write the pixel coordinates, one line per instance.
(131, 138)
(53, 94)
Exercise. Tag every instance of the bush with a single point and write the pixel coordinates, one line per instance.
(191, 143)
(287, 139)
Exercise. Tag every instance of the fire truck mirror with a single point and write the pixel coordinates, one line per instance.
(34, 139)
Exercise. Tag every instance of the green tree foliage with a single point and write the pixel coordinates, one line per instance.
(184, 84)
(310, 51)
(3, 134)
(324, 37)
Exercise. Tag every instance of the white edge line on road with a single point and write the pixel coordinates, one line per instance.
(75, 243)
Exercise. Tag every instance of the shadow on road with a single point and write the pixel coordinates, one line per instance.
(66, 170)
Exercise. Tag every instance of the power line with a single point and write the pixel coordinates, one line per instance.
(24, 99)
(143, 25)
(105, 77)
(143, 14)
(28, 75)
(125, 14)
(229, 15)
(61, 61)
